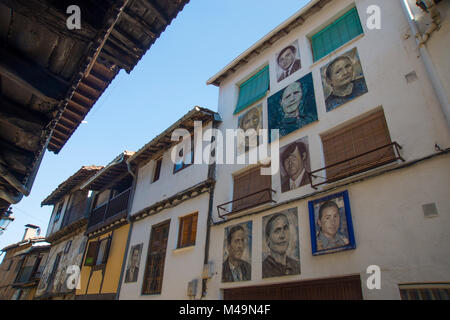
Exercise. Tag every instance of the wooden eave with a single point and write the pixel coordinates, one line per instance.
(67, 186)
(163, 141)
(50, 77)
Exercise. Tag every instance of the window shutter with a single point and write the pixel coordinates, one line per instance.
(106, 252)
(248, 183)
(354, 140)
(91, 255)
(336, 34)
(253, 89)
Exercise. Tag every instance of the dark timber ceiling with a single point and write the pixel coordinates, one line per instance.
(50, 76)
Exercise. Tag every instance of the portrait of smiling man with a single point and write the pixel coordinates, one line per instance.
(288, 61)
(281, 250)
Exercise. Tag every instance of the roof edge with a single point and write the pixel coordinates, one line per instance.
(262, 43)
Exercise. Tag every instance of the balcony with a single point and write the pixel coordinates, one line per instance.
(246, 202)
(363, 162)
(109, 211)
(76, 212)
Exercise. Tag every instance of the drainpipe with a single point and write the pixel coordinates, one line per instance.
(125, 256)
(211, 177)
(431, 71)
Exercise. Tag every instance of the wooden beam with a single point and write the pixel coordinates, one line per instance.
(136, 19)
(158, 12)
(47, 15)
(36, 79)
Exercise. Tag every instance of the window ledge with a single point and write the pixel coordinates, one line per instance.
(184, 249)
(336, 51)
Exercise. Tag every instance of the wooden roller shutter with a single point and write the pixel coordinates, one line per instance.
(246, 184)
(357, 139)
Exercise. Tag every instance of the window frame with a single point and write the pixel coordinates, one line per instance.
(157, 169)
(58, 212)
(183, 163)
(192, 230)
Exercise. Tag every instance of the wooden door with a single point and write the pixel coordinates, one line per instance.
(154, 269)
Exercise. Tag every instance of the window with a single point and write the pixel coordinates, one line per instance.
(101, 198)
(359, 139)
(425, 291)
(154, 269)
(157, 170)
(249, 189)
(67, 246)
(341, 31)
(187, 231)
(97, 253)
(253, 89)
(58, 212)
(186, 159)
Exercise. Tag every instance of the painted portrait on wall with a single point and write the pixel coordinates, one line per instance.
(292, 107)
(134, 260)
(294, 165)
(331, 224)
(288, 61)
(237, 253)
(250, 122)
(343, 79)
(280, 245)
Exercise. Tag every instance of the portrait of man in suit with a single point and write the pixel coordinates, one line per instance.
(237, 253)
(295, 165)
(288, 61)
(281, 254)
(133, 263)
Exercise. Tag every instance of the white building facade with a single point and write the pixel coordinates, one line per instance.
(377, 149)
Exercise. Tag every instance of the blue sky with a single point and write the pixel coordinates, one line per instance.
(168, 81)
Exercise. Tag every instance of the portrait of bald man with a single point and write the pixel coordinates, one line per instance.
(293, 107)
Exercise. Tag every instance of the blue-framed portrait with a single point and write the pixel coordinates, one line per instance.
(331, 224)
(292, 107)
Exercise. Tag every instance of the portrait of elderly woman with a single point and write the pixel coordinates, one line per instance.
(250, 122)
(292, 107)
(343, 80)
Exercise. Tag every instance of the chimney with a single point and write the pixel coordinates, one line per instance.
(31, 231)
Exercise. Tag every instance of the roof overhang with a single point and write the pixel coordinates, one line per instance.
(114, 170)
(67, 186)
(267, 41)
(163, 141)
(52, 76)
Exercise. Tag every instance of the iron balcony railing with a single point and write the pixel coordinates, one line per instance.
(115, 206)
(248, 201)
(363, 162)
